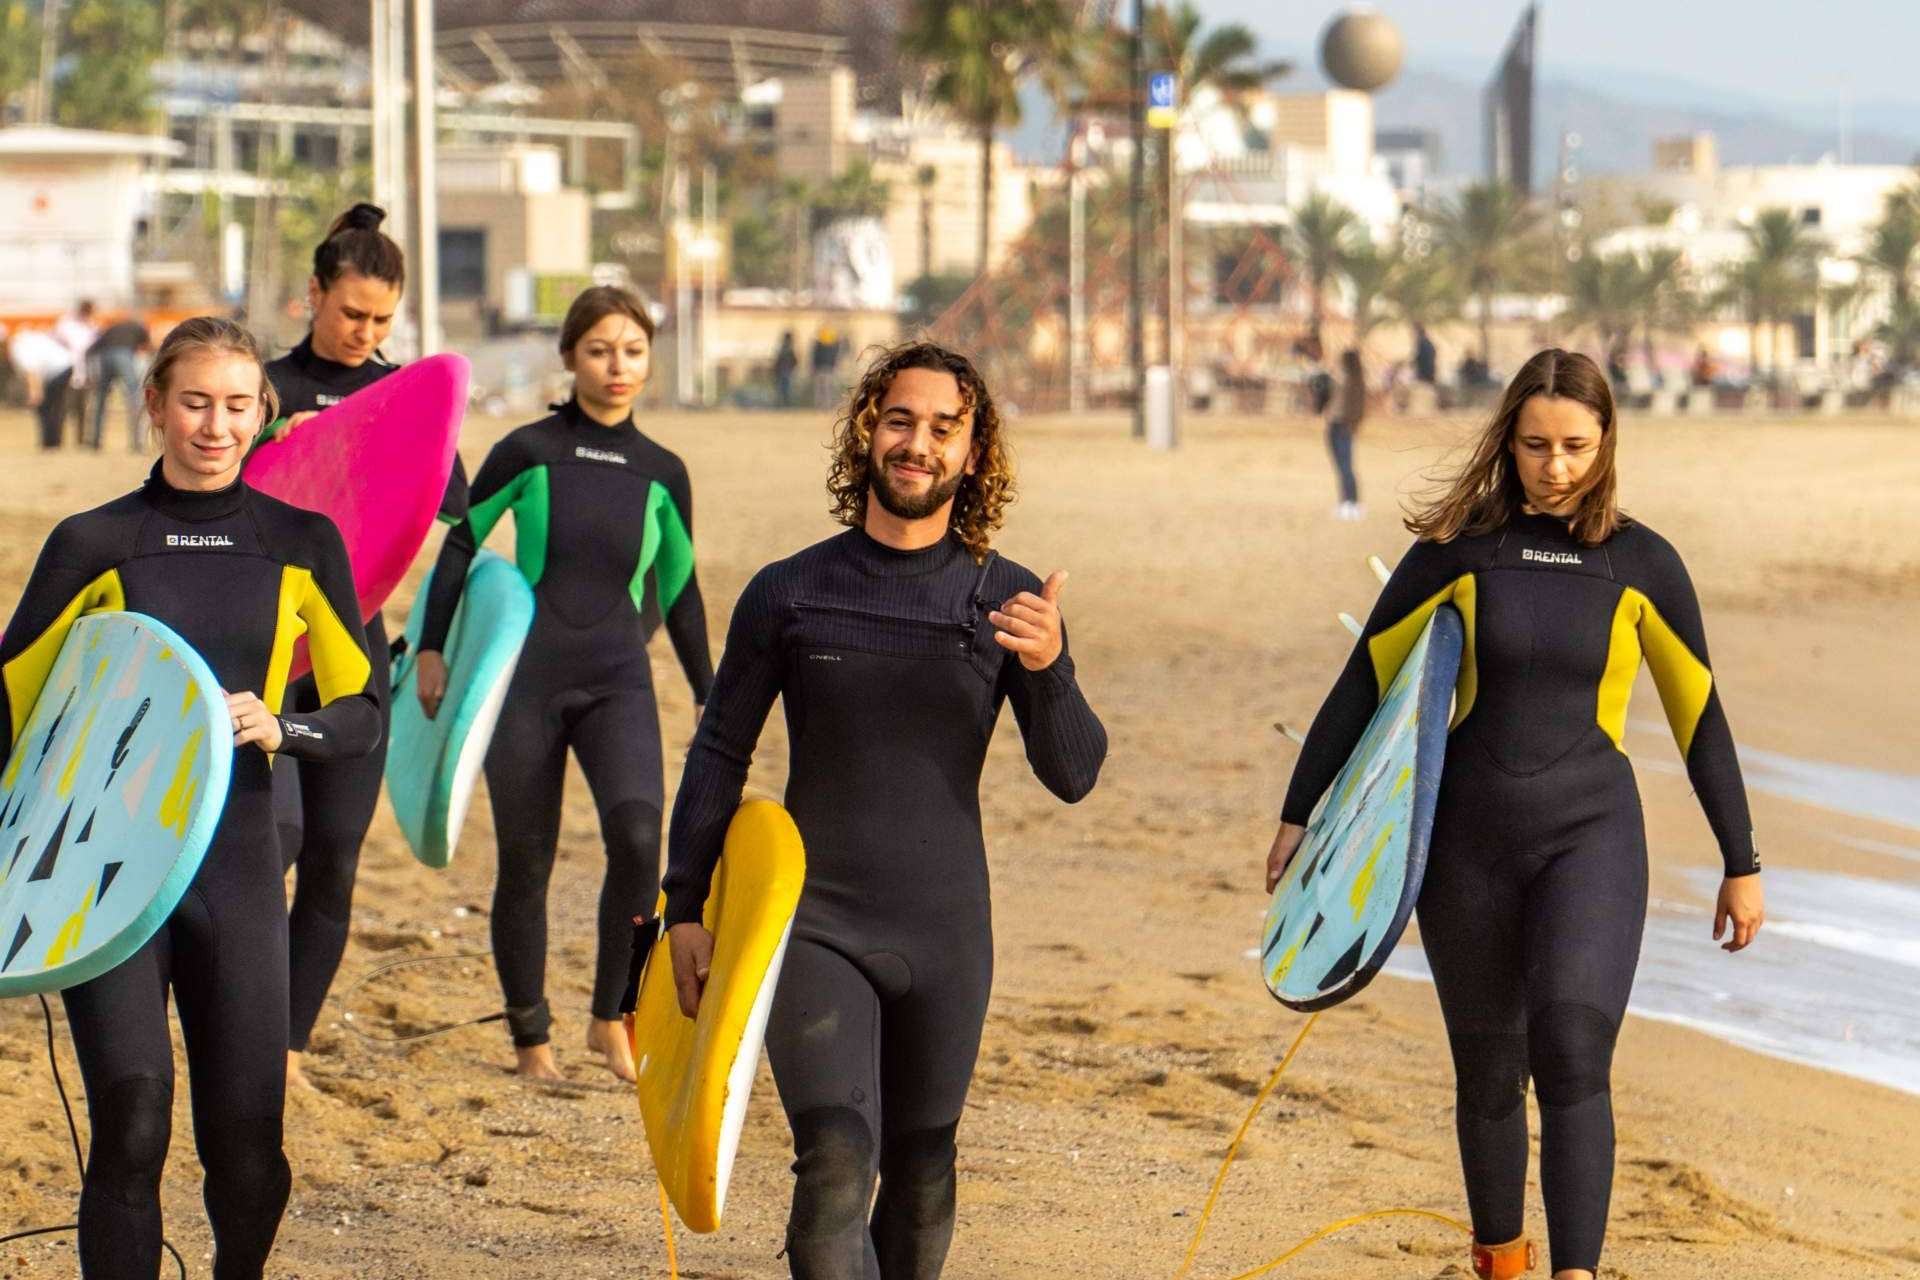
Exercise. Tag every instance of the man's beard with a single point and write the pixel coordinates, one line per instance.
(909, 506)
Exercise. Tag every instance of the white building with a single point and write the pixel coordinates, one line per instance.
(71, 201)
(1707, 207)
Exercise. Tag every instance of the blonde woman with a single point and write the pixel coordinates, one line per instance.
(239, 575)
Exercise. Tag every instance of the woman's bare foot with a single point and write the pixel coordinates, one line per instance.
(536, 1063)
(296, 1078)
(609, 1040)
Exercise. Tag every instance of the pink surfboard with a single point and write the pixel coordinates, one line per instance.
(377, 463)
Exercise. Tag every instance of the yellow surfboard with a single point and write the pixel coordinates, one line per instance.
(695, 1073)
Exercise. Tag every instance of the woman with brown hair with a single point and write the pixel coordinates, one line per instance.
(1536, 884)
(323, 814)
(603, 531)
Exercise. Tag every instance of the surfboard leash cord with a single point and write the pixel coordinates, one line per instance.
(1332, 1228)
(666, 1225)
(346, 999)
(80, 1160)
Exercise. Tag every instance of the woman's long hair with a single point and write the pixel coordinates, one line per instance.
(981, 502)
(1486, 493)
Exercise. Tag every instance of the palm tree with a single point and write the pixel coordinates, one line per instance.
(1604, 293)
(1371, 270)
(1318, 238)
(977, 53)
(1776, 280)
(1664, 295)
(1901, 329)
(794, 201)
(854, 194)
(1480, 234)
(1893, 251)
(1224, 61)
(1422, 292)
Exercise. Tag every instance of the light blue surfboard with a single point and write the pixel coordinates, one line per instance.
(108, 802)
(432, 765)
(1347, 895)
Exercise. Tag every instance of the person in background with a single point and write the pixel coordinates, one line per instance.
(1348, 405)
(828, 347)
(785, 361)
(1426, 357)
(114, 361)
(76, 332)
(44, 364)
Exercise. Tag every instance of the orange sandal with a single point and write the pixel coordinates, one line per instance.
(1503, 1261)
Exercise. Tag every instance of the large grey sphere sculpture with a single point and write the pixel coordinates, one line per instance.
(1362, 49)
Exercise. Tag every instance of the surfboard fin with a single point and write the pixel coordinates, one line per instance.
(1291, 734)
(1379, 568)
(1352, 624)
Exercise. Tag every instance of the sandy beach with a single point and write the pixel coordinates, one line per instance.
(1128, 1030)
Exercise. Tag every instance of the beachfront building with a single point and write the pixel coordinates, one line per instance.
(1688, 202)
(73, 203)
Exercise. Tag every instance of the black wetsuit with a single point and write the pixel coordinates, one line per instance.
(1536, 885)
(603, 529)
(259, 574)
(323, 814)
(892, 682)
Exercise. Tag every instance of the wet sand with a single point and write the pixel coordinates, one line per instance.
(1128, 1031)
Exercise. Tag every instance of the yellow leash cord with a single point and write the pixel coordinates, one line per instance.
(666, 1225)
(1213, 1196)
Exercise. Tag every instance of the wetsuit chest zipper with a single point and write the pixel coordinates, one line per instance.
(963, 630)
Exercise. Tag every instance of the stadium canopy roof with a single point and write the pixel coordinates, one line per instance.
(728, 43)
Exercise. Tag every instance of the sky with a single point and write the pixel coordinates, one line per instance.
(1784, 51)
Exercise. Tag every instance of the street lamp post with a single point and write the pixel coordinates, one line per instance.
(426, 251)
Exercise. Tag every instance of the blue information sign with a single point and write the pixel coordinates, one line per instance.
(1162, 92)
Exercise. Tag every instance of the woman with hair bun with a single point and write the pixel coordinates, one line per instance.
(323, 814)
(603, 530)
(1535, 893)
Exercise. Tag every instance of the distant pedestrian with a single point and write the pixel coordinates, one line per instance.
(828, 347)
(1344, 412)
(785, 361)
(116, 364)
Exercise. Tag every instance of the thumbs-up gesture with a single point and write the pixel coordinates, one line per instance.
(1029, 624)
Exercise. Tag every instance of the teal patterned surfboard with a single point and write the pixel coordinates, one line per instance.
(108, 801)
(1346, 897)
(432, 765)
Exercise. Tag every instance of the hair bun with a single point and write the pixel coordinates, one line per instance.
(362, 217)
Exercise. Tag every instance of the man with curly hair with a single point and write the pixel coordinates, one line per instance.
(894, 645)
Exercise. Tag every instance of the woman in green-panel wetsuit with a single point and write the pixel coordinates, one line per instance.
(603, 524)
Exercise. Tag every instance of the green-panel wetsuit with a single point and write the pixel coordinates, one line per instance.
(603, 530)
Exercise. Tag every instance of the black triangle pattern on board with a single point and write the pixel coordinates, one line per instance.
(54, 730)
(1344, 967)
(51, 855)
(18, 850)
(1311, 930)
(107, 874)
(86, 832)
(20, 937)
